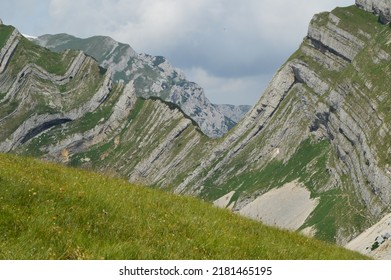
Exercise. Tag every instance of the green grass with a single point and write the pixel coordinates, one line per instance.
(51, 212)
(5, 33)
(308, 164)
(353, 19)
(324, 217)
(29, 52)
(50, 62)
(94, 154)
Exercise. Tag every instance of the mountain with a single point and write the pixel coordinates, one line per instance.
(152, 77)
(322, 125)
(313, 155)
(233, 112)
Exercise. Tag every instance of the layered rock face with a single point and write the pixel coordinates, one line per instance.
(324, 121)
(233, 112)
(63, 107)
(152, 77)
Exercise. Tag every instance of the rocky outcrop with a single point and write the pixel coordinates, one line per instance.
(36, 124)
(81, 141)
(382, 8)
(233, 112)
(251, 126)
(82, 118)
(351, 133)
(9, 48)
(146, 168)
(334, 40)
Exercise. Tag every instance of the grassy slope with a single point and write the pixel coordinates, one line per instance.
(51, 212)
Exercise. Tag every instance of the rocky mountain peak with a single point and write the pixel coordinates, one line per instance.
(1, 22)
(382, 8)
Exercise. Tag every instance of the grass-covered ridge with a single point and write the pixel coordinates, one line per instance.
(51, 212)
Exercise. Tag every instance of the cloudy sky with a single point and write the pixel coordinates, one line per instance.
(231, 48)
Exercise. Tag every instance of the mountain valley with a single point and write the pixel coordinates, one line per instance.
(317, 143)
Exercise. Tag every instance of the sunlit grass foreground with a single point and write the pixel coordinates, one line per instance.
(52, 212)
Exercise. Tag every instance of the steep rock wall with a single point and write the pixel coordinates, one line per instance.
(327, 92)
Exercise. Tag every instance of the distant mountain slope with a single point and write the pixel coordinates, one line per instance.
(235, 113)
(64, 107)
(152, 77)
(51, 212)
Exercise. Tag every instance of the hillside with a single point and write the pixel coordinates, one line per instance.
(323, 123)
(51, 212)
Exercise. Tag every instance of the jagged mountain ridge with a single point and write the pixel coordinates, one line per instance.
(152, 77)
(320, 133)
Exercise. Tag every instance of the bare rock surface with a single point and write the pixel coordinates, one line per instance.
(375, 241)
(224, 201)
(286, 207)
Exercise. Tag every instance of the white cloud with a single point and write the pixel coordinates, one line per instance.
(158, 23)
(145, 24)
(58, 8)
(234, 90)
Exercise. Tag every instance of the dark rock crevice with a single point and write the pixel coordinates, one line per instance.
(41, 128)
(324, 49)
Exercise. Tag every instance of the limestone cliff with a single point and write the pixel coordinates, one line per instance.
(323, 120)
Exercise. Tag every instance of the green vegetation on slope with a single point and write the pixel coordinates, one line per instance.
(28, 52)
(308, 165)
(50, 212)
(5, 33)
